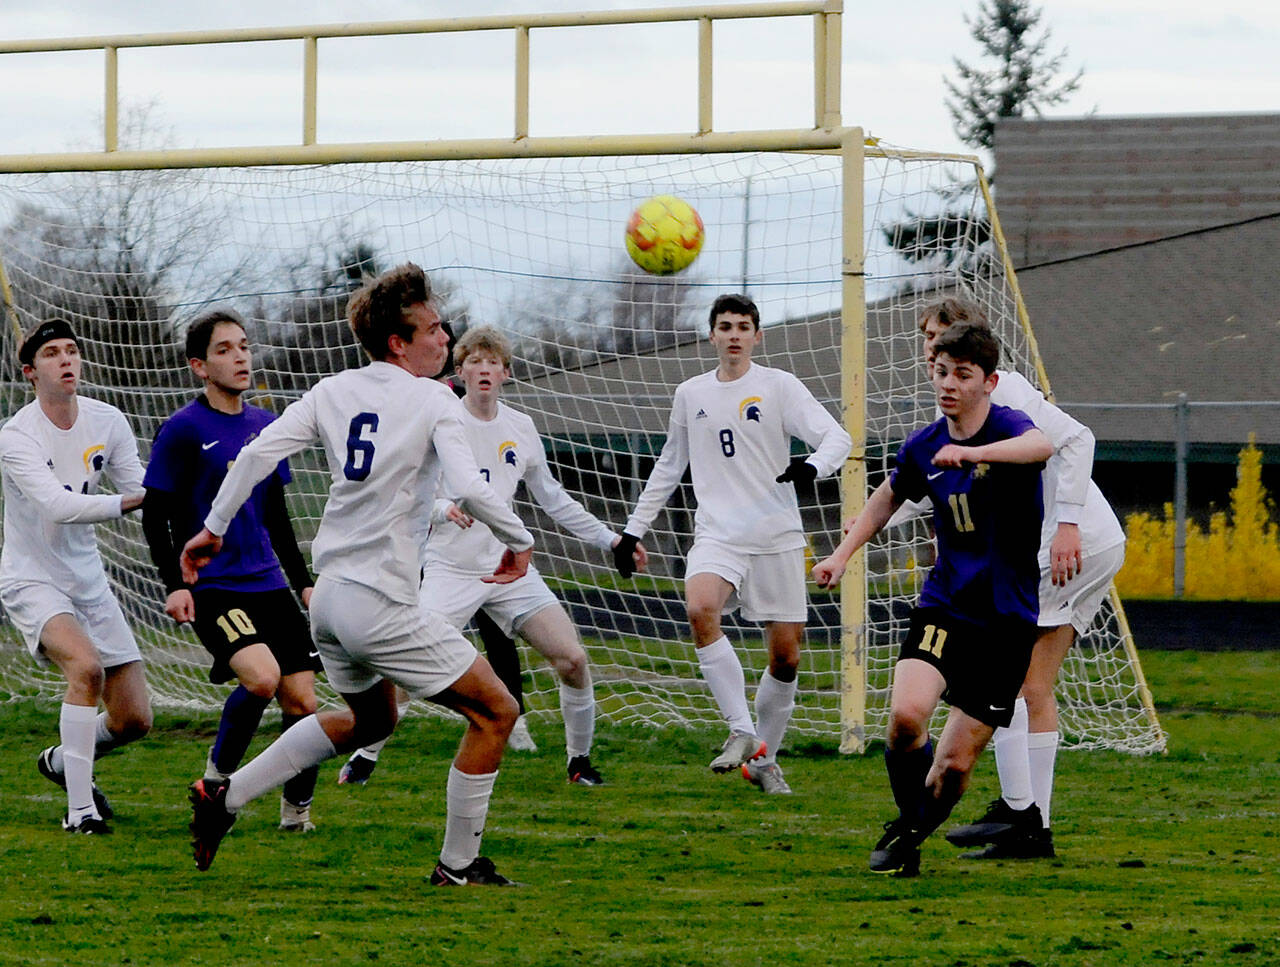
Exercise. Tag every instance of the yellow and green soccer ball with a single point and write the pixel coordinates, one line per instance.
(664, 235)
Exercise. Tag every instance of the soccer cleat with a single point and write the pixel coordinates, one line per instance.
(356, 770)
(88, 826)
(479, 872)
(210, 819)
(998, 821)
(1017, 846)
(583, 773)
(44, 762)
(768, 776)
(295, 819)
(897, 853)
(739, 748)
(520, 740)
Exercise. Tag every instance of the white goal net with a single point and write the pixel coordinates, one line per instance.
(535, 248)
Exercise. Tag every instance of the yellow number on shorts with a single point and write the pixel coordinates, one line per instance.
(960, 511)
(243, 626)
(933, 640)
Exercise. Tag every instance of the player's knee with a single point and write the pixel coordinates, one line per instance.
(503, 711)
(572, 668)
(905, 729)
(87, 677)
(783, 667)
(704, 620)
(135, 724)
(1039, 696)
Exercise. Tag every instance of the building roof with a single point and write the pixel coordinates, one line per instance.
(1068, 186)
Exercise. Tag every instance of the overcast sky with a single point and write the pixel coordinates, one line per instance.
(1139, 57)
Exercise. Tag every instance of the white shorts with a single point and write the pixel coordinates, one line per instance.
(459, 596)
(1077, 603)
(364, 636)
(766, 587)
(31, 604)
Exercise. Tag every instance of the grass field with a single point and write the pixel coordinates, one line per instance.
(1171, 859)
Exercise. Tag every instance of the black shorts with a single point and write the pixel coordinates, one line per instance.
(227, 621)
(984, 665)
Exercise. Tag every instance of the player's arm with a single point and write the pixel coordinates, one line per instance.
(1032, 446)
(295, 430)
(157, 527)
(285, 543)
(806, 418)
(665, 477)
(462, 477)
(27, 467)
(875, 515)
(123, 464)
(1073, 444)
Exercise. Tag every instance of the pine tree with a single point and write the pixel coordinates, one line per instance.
(1026, 77)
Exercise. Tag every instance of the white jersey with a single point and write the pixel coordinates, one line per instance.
(51, 498)
(508, 449)
(1070, 495)
(382, 430)
(735, 437)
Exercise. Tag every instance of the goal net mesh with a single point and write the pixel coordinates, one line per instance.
(535, 248)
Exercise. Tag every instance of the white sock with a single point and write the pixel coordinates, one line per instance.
(303, 745)
(104, 740)
(774, 702)
(723, 672)
(76, 725)
(1012, 762)
(371, 750)
(1042, 747)
(578, 706)
(466, 804)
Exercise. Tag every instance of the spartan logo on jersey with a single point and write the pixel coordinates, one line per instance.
(94, 458)
(507, 452)
(980, 470)
(749, 409)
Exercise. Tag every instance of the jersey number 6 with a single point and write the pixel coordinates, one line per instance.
(360, 451)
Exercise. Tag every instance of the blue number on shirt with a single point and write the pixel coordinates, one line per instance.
(360, 451)
(726, 443)
(485, 471)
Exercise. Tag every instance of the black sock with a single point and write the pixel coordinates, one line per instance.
(908, 770)
(241, 714)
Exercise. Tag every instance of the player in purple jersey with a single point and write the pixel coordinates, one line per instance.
(241, 608)
(975, 623)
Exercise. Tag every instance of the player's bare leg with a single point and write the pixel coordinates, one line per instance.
(551, 633)
(490, 712)
(705, 597)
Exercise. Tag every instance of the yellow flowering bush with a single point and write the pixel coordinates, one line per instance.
(1236, 559)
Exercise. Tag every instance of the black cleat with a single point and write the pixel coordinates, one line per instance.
(479, 872)
(583, 773)
(998, 821)
(210, 820)
(44, 762)
(356, 770)
(89, 826)
(897, 853)
(1017, 846)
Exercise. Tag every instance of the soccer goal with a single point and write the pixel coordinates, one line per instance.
(839, 240)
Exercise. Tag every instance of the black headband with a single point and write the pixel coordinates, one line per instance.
(50, 329)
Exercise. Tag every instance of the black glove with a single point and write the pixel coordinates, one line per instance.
(798, 471)
(623, 554)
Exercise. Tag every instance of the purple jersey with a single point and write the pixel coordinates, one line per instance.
(987, 520)
(189, 458)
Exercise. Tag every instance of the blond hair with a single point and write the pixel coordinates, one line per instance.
(483, 339)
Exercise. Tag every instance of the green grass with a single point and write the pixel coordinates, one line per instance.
(1169, 859)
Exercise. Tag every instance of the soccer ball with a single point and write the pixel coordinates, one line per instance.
(664, 235)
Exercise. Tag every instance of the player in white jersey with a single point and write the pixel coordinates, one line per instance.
(459, 552)
(382, 428)
(53, 453)
(732, 427)
(1081, 550)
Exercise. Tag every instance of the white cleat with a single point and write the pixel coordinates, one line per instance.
(767, 776)
(740, 747)
(520, 740)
